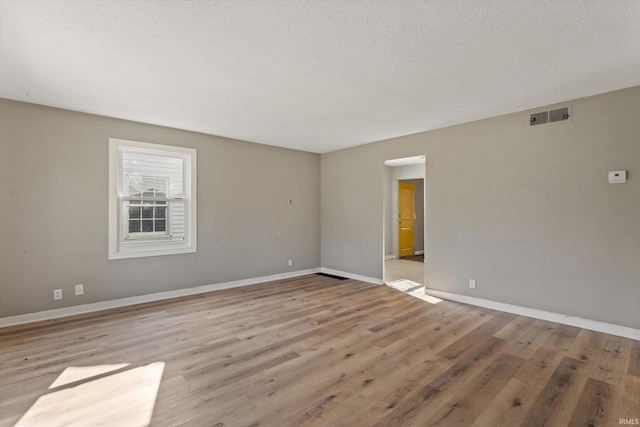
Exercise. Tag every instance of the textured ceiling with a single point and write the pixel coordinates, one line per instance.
(316, 76)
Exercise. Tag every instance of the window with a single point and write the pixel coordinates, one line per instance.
(152, 203)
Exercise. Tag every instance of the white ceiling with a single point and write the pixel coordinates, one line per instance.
(314, 75)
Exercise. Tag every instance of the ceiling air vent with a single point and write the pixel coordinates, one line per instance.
(539, 118)
(543, 117)
(559, 114)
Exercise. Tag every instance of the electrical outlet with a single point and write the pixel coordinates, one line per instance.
(57, 294)
(79, 289)
(290, 262)
(472, 283)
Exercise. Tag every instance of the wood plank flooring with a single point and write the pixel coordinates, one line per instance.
(314, 351)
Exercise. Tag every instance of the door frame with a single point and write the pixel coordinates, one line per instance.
(399, 184)
(390, 206)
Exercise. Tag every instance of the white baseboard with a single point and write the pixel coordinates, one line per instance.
(594, 325)
(387, 257)
(123, 302)
(351, 276)
(418, 253)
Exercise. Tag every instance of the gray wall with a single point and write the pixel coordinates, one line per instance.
(53, 211)
(526, 211)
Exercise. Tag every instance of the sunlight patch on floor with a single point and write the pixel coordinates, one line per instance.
(414, 289)
(121, 399)
(79, 373)
(419, 293)
(403, 284)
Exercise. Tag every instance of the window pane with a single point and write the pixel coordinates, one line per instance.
(134, 184)
(161, 212)
(134, 226)
(134, 212)
(147, 212)
(147, 226)
(160, 225)
(160, 185)
(148, 185)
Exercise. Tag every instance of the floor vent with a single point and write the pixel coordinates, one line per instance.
(331, 276)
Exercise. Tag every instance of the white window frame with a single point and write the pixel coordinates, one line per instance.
(152, 246)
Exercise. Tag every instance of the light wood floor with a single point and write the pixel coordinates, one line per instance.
(314, 351)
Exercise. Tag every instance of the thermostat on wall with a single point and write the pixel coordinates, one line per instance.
(617, 177)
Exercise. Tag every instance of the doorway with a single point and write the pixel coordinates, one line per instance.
(404, 221)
